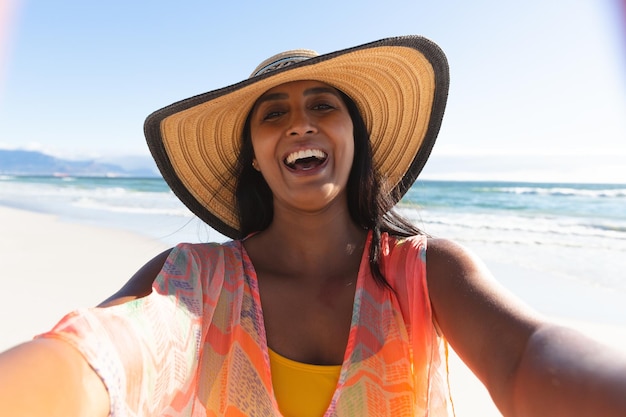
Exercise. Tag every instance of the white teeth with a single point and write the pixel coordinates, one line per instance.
(307, 153)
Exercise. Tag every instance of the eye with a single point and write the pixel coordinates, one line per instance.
(272, 115)
(323, 106)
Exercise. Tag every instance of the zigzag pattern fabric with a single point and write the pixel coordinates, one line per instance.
(196, 345)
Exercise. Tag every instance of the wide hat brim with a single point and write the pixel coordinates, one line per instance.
(400, 86)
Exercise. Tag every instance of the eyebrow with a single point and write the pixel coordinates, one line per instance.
(307, 92)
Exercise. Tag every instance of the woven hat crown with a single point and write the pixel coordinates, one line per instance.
(282, 60)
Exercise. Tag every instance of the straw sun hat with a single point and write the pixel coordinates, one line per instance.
(400, 86)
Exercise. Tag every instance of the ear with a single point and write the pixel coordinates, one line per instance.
(255, 164)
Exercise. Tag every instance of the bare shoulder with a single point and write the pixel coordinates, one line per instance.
(140, 284)
(446, 250)
(458, 277)
(451, 261)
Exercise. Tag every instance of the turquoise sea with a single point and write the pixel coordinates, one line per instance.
(541, 214)
(577, 231)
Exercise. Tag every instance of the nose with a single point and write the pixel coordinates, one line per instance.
(301, 123)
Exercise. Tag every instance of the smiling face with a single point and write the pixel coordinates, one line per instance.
(302, 136)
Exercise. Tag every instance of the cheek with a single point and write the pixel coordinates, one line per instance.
(263, 153)
(258, 144)
(348, 135)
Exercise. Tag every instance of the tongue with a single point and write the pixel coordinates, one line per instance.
(306, 164)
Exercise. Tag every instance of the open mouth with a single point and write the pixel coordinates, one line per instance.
(305, 160)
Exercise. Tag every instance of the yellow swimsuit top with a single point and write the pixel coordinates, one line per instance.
(301, 389)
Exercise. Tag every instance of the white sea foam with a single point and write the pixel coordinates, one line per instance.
(144, 205)
(493, 227)
(564, 191)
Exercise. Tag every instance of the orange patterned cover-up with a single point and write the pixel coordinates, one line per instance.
(196, 345)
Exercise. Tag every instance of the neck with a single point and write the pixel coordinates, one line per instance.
(308, 245)
(316, 241)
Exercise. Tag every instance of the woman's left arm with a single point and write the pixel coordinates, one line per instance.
(530, 366)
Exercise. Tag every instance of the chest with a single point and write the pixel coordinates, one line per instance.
(308, 324)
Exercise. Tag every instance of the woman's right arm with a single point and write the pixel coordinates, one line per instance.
(48, 377)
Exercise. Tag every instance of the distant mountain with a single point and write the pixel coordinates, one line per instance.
(20, 162)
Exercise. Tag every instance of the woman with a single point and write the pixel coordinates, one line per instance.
(326, 301)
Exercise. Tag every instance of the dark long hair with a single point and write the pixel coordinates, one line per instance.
(369, 205)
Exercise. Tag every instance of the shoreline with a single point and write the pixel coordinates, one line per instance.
(51, 266)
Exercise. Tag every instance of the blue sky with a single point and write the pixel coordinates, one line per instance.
(538, 88)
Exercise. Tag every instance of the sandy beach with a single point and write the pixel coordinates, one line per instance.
(50, 267)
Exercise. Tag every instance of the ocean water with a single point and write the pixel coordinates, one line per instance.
(567, 215)
(575, 231)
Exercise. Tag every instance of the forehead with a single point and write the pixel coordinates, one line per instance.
(302, 87)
